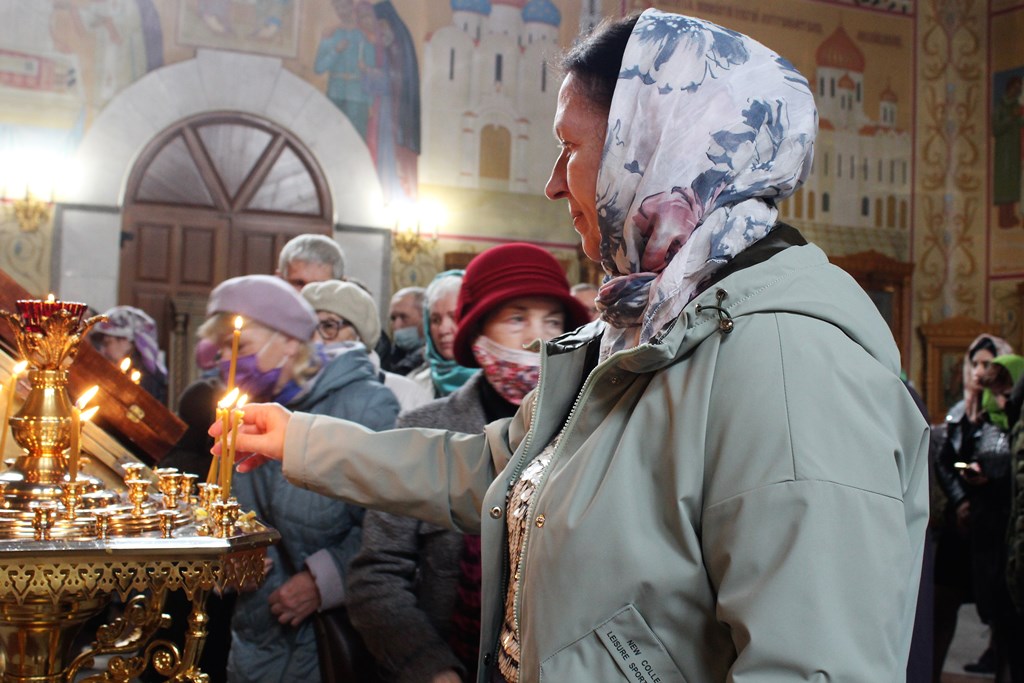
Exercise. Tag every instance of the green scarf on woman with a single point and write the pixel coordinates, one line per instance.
(996, 415)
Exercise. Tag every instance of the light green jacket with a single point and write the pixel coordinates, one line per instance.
(746, 506)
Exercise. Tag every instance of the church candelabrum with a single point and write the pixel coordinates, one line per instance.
(68, 545)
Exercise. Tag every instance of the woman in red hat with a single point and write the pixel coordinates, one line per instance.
(414, 587)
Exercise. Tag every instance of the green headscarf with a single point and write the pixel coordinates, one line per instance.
(996, 415)
(447, 375)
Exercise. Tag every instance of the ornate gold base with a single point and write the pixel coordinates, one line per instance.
(43, 604)
(36, 636)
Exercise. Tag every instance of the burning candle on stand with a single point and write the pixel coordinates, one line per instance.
(224, 417)
(10, 395)
(136, 376)
(77, 418)
(236, 335)
(238, 414)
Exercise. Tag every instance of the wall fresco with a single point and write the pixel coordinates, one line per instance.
(456, 104)
(268, 27)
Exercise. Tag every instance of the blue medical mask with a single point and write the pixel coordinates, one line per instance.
(408, 338)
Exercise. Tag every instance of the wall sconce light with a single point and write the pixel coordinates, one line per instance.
(415, 229)
(27, 177)
(30, 213)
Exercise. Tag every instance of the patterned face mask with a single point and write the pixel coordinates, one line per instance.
(707, 130)
(512, 372)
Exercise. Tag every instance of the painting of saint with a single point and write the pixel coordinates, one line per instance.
(1007, 121)
(373, 77)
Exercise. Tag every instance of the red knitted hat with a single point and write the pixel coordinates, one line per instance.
(504, 273)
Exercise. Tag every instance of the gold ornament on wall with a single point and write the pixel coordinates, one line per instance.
(30, 212)
(415, 228)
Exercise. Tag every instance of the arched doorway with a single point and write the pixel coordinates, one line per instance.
(211, 197)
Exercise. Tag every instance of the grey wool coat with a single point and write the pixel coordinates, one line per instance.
(721, 506)
(402, 583)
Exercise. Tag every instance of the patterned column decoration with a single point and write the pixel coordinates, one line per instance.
(949, 244)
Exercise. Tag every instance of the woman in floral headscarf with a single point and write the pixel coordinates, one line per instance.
(727, 479)
(129, 332)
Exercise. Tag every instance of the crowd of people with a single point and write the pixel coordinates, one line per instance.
(706, 469)
(979, 529)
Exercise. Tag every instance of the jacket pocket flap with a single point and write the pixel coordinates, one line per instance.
(636, 650)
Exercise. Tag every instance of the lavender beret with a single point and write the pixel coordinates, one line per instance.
(268, 300)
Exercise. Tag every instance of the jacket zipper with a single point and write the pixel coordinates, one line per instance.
(506, 569)
(589, 382)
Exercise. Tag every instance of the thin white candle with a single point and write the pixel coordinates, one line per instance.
(11, 393)
(236, 335)
(77, 417)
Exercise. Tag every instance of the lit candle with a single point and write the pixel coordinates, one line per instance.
(211, 476)
(35, 311)
(77, 417)
(232, 448)
(136, 376)
(224, 413)
(12, 388)
(87, 396)
(76, 443)
(234, 351)
(126, 364)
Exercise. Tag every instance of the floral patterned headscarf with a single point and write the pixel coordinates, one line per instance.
(707, 130)
(134, 324)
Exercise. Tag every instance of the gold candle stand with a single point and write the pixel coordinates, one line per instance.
(68, 546)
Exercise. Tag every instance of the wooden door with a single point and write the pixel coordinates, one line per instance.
(169, 253)
(212, 197)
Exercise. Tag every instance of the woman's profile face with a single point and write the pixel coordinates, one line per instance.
(115, 349)
(442, 324)
(518, 322)
(579, 127)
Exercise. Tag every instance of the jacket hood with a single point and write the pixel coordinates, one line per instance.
(798, 280)
(344, 367)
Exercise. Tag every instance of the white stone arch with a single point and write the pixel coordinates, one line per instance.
(89, 220)
(227, 81)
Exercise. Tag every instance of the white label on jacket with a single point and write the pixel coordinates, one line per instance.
(636, 650)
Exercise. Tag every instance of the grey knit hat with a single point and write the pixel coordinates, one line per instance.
(347, 301)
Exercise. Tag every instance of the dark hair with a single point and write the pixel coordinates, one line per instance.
(596, 59)
(996, 379)
(984, 344)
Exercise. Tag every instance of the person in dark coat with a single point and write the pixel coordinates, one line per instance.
(414, 588)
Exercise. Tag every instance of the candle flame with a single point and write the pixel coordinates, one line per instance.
(19, 367)
(88, 414)
(49, 298)
(84, 399)
(242, 400)
(136, 376)
(126, 363)
(238, 322)
(229, 400)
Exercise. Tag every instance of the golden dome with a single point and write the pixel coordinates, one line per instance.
(838, 51)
